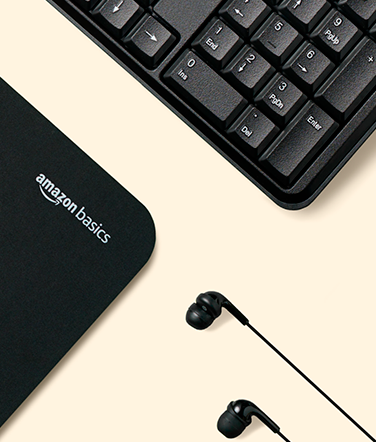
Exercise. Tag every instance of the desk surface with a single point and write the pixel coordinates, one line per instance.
(305, 279)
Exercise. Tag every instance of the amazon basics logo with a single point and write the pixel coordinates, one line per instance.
(57, 197)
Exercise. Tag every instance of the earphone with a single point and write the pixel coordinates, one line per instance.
(238, 417)
(208, 307)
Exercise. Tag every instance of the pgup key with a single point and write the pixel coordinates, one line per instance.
(205, 90)
(336, 36)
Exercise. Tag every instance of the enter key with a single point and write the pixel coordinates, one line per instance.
(299, 144)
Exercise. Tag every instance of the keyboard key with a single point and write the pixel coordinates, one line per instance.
(336, 36)
(249, 71)
(118, 17)
(185, 16)
(86, 4)
(205, 90)
(305, 14)
(218, 43)
(150, 41)
(363, 11)
(308, 68)
(294, 150)
(281, 100)
(253, 132)
(351, 83)
(276, 39)
(245, 15)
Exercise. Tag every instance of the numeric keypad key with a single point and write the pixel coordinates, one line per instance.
(205, 90)
(299, 144)
(218, 43)
(253, 132)
(277, 39)
(351, 83)
(281, 100)
(336, 36)
(309, 67)
(249, 71)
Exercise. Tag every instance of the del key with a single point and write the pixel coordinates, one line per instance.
(204, 89)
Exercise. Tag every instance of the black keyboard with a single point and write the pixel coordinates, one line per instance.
(285, 90)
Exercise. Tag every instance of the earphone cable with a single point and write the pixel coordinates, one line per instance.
(283, 437)
(306, 378)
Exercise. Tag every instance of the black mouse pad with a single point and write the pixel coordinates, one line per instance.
(71, 239)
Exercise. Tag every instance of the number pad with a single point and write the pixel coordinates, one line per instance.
(218, 43)
(309, 67)
(278, 79)
(305, 14)
(337, 36)
(245, 15)
(277, 39)
(249, 71)
(281, 100)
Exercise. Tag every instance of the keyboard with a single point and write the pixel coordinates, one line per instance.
(284, 90)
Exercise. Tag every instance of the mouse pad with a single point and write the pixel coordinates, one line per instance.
(71, 239)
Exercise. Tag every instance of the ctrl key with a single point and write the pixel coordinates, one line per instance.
(299, 144)
(253, 131)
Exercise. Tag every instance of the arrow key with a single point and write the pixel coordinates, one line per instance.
(150, 41)
(309, 67)
(305, 14)
(245, 15)
(249, 71)
(118, 16)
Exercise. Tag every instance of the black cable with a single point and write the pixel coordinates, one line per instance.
(328, 398)
(283, 437)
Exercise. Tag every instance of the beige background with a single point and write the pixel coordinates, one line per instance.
(305, 279)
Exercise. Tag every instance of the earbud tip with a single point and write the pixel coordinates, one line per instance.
(198, 318)
(230, 426)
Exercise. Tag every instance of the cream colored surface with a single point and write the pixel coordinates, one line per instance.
(305, 279)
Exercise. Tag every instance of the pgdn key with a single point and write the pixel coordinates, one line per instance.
(205, 90)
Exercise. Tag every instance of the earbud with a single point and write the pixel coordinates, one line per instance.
(201, 315)
(239, 415)
(208, 306)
